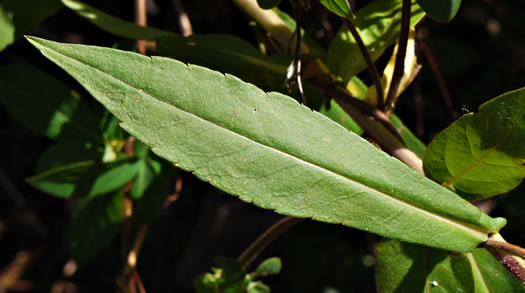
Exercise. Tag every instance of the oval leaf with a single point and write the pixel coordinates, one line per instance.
(440, 10)
(482, 154)
(268, 149)
(339, 7)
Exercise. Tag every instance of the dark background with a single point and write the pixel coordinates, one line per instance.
(481, 54)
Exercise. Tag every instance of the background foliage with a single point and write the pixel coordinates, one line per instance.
(480, 54)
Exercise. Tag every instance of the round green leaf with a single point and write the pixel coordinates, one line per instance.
(440, 10)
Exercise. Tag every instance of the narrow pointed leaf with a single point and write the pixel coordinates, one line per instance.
(268, 149)
(379, 25)
(440, 10)
(482, 155)
(339, 7)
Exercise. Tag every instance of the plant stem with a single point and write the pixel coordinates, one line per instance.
(399, 66)
(266, 238)
(141, 19)
(504, 246)
(368, 60)
(184, 20)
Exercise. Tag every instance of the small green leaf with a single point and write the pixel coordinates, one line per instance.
(440, 10)
(271, 266)
(404, 267)
(482, 155)
(339, 7)
(412, 142)
(268, 149)
(268, 4)
(61, 181)
(379, 25)
(232, 274)
(85, 179)
(19, 16)
(95, 222)
(147, 208)
(148, 169)
(47, 106)
(114, 25)
(257, 287)
(207, 283)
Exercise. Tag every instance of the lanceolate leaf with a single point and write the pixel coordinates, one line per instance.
(339, 7)
(440, 10)
(268, 149)
(379, 25)
(492, 275)
(483, 154)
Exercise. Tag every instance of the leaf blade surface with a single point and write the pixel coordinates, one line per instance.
(268, 149)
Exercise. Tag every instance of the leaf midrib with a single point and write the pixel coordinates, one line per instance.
(471, 228)
(481, 160)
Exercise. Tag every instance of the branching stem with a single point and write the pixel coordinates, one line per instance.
(399, 66)
(368, 60)
(266, 238)
(504, 246)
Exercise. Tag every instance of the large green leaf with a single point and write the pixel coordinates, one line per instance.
(19, 16)
(379, 25)
(483, 154)
(403, 267)
(47, 106)
(95, 222)
(440, 10)
(492, 275)
(268, 149)
(339, 7)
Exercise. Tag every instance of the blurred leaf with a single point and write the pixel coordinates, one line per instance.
(46, 106)
(17, 17)
(316, 50)
(95, 222)
(440, 10)
(207, 283)
(148, 169)
(491, 275)
(232, 274)
(339, 7)
(271, 266)
(7, 29)
(85, 179)
(147, 208)
(482, 155)
(379, 25)
(268, 149)
(114, 25)
(404, 267)
(268, 4)
(257, 287)
(61, 181)
(412, 142)
(65, 153)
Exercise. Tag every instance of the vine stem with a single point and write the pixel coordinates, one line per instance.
(141, 18)
(266, 238)
(368, 60)
(399, 66)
